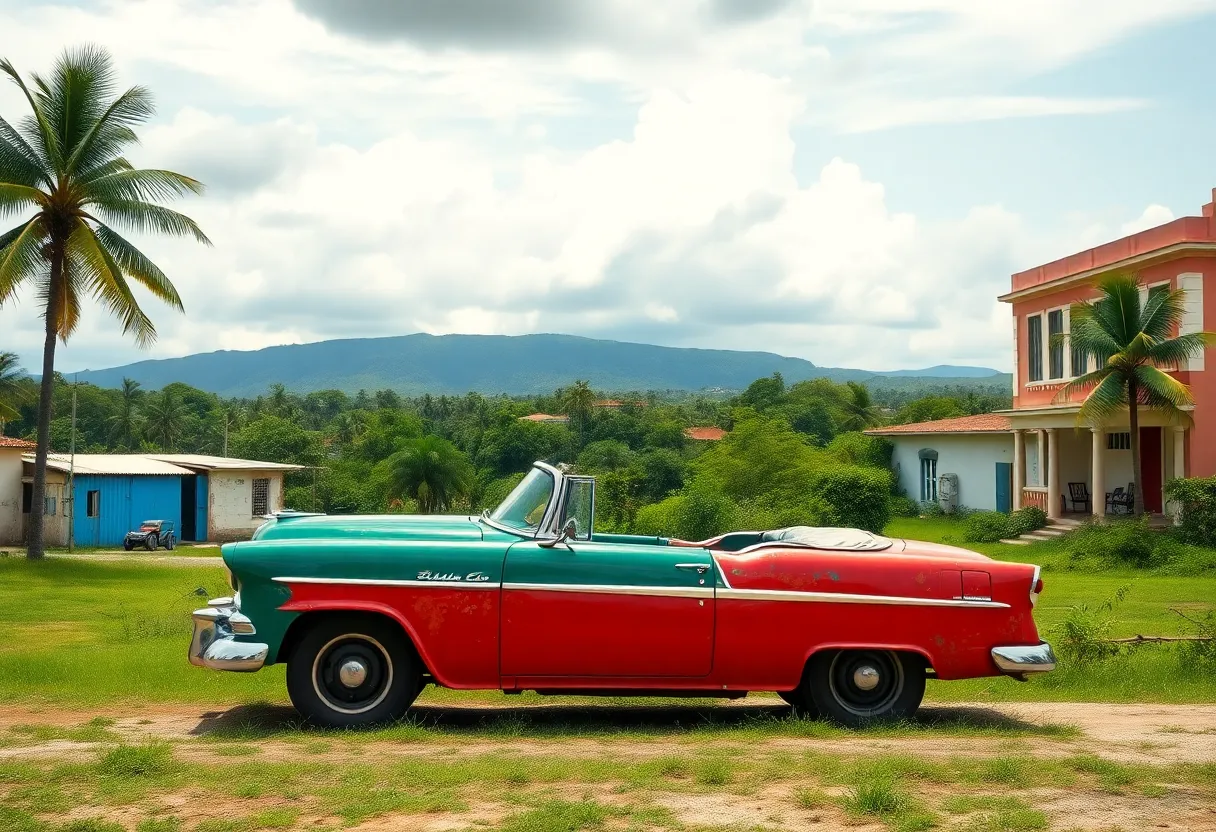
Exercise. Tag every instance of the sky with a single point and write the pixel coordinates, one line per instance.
(846, 181)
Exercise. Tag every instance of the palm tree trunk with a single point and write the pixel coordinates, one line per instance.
(1133, 414)
(35, 550)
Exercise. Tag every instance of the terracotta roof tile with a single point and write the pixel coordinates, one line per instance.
(13, 442)
(706, 434)
(982, 423)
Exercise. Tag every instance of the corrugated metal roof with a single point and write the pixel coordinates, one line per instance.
(222, 462)
(112, 465)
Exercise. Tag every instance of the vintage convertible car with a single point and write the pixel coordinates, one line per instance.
(365, 610)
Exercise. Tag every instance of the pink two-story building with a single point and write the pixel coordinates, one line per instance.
(1037, 453)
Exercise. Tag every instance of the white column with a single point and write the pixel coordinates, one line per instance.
(1179, 452)
(1098, 473)
(1041, 480)
(1053, 473)
(1019, 468)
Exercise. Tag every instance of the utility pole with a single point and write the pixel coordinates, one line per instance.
(225, 431)
(71, 498)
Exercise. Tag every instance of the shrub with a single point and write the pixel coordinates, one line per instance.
(987, 527)
(1196, 498)
(1120, 543)
(857, 495)
(1084, 632)
(1027, 519)
(903, 507)
(859, 449)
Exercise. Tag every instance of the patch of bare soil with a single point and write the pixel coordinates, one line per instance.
(1181, 810)
(1128, 733)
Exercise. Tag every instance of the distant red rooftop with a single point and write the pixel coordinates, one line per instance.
(705, 434)
(13, 442)
(982, 423)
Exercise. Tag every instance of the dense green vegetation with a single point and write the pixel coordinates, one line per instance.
(794, 453)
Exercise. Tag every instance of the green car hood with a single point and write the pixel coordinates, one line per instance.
(378, 527)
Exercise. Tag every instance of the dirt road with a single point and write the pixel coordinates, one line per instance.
(1114, 766)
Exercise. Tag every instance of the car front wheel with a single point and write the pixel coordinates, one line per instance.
(854, 687)
(151, 542)
(353, 670)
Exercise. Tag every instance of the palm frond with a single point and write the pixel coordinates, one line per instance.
(19, 163)
(112, 130)
(104, 169)
(146, 217)
(1119, 306)
(1105, 400)
(1175, 351)
(1090, 333)
(141, 185)
(1162, 313)
(136, 264)
(1083, 384)
(14, 198)
(1160, 390)
(104, 278)
(74, 96)
(38, 126)
(20, 256)
(63, 297)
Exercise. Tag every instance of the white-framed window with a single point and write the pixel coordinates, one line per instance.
(1119, 441)
(928, 480)
(92, 504)
(1034, 347)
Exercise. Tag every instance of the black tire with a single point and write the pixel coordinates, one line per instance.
(800, 700)
(833, 676)
(151, 542)
(386, 683)
(170, 543)
(126, 544)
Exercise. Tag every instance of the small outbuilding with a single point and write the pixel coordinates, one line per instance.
(207, 498)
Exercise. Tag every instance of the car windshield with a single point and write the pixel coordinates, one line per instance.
(525, 507)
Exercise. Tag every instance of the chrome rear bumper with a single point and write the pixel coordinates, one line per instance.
(1019, 661)
(214, 643)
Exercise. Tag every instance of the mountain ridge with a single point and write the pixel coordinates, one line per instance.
(491, 364)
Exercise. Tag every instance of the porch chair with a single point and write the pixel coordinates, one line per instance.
(1113, 498)
(1078, 495)
(1122, 499)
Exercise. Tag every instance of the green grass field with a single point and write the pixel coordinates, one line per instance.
(83, 632)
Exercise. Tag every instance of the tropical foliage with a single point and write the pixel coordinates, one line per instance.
(432, 472)
(62, 170)
(12, 392)
(1132, 345)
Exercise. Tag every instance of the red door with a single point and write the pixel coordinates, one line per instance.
(1150, 468)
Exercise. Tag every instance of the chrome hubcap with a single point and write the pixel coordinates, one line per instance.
(352, 673)
(866, 677)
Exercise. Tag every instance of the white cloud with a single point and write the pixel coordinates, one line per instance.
(1152, 216)
(641, 188)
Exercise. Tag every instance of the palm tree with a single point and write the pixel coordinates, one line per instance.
(12, 392)
(122, 430)
(1132, 346)
(163, 419)
(578, 399)
(64, 163)
(432, 471)
(857, 408)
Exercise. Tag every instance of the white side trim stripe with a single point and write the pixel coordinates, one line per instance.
(848, 598)
(386, 582)
(614, 589)
(725, 594)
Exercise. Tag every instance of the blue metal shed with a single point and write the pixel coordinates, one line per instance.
(107, 507)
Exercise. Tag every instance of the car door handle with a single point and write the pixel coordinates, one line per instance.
(701, 568)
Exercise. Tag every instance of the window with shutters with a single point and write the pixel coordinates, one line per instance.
(1055, 348)
(261, 497)
(928, 480)
(1034, 347)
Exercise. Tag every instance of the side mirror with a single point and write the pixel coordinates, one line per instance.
(568, 532)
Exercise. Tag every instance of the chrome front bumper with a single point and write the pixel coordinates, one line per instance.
(1019, 661)
(214, 643)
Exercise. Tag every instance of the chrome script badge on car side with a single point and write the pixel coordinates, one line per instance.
(474, 577)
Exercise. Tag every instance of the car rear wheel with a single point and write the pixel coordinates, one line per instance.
(353, 670)
(151, 542)
(170, 543)
(854, 687)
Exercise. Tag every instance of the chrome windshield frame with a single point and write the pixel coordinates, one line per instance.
(547, 530)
